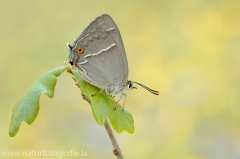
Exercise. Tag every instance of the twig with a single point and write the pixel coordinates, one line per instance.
(116, 150)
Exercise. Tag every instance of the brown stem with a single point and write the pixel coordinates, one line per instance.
(116, 150)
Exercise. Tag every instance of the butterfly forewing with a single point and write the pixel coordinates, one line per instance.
(106, 22)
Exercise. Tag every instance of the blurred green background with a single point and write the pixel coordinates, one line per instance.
(188, 50)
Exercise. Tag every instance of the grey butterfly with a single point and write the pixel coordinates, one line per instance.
(99, 56)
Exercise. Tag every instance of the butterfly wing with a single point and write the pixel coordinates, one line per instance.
(104, 61)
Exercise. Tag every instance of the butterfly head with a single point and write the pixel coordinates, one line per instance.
(130, 85)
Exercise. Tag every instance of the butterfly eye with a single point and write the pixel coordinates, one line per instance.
(130, 85)
(80, 50)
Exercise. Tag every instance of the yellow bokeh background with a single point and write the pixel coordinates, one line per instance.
(188, 50)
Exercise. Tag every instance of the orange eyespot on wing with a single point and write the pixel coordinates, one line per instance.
(80, 50)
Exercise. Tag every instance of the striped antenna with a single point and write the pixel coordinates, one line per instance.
(150, 90)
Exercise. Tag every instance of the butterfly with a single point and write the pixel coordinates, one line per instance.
(100, 58)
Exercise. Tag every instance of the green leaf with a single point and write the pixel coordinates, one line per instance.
(27, 107)
(103, 107)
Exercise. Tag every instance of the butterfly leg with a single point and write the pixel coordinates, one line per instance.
(98, 92)
(118, 101)
(76, 82)
(124, 96)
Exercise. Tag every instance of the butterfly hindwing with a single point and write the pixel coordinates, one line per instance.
(104, 59)
(101, 61)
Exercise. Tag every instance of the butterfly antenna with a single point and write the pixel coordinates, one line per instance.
(150, 90)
